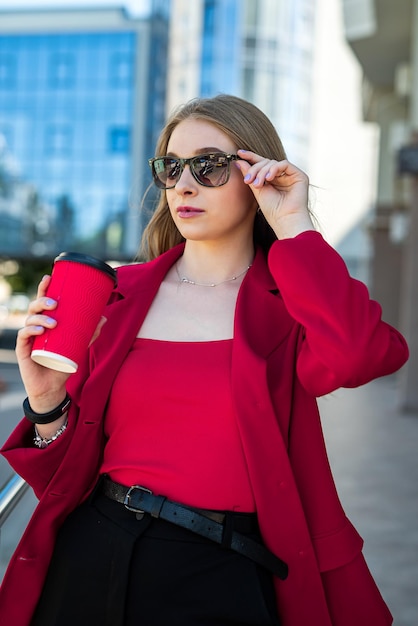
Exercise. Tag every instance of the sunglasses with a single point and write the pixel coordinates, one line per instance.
(210, 170)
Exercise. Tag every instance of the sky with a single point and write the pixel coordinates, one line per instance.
(135, 7)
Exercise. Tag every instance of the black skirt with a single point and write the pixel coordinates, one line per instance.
(111, 569)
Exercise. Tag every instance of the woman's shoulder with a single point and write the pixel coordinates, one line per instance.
(128, 276)
(131, 269)
(132, 272)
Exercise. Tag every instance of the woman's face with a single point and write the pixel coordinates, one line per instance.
(217, 214)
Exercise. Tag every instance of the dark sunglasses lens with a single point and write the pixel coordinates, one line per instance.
(166, 172)
(212, 170)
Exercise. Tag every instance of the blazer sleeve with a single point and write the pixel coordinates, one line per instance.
(37, 467)
(345, 341)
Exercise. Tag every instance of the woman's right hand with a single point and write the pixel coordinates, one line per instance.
(45, 387)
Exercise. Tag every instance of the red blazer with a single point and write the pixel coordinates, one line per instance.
(303, 328)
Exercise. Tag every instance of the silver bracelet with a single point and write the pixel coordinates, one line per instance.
(42, 442)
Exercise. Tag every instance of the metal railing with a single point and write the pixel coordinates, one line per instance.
(10, 495)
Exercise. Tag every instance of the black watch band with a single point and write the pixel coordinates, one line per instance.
(46, 418)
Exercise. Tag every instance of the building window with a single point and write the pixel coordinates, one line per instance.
(249, 83)
(250, 43)
(58, 140)
(62, 70)
(119, 139)
(8, 71)
(7, 137)
(121, 70)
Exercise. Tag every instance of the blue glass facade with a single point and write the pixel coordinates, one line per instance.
(67, 112)
(263, 51)
(220, 48)
(66, 105)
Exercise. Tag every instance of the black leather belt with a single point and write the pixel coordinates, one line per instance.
(214, 525)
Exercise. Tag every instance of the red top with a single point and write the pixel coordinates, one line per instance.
(172, 427)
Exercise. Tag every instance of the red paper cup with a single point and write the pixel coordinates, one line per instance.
(81, 285)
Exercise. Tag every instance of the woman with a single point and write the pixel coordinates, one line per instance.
(201, 387)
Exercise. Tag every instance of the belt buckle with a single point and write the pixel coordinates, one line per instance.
(139, 512)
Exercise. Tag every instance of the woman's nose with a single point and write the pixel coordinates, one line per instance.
(186, 183)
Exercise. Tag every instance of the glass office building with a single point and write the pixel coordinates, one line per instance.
(83, 94)
(260, 50)
(77, 111)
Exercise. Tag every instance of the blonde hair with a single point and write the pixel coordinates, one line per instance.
(248, 128)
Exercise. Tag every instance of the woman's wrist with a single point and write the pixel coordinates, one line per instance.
(43, 437)
(292, 225)
(48, 416)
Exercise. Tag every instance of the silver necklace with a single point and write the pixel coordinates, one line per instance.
(183, 279)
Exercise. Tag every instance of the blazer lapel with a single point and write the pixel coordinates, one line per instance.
(137, 287)
(262, 324)
(261, 318)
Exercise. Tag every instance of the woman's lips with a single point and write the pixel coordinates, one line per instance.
(188, 211)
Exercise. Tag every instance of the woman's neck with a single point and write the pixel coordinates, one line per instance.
(210, 264)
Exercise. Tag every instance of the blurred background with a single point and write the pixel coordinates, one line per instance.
(85, 87)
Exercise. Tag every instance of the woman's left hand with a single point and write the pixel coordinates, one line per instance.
(281, 190)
